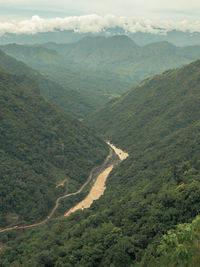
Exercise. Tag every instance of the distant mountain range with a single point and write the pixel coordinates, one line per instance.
(124, 57)
(88, 73)
(119, 54)
(177, 38)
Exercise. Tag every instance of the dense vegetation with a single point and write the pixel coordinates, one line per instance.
(40, 146)
(156, 188)
(114, 234)
(180, 247)
(161, 109)
(71, 101)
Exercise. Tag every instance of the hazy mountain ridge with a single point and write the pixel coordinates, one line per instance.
(123, 56)
(35, 53)
(94, 70)
(176, 37)
(99, 50)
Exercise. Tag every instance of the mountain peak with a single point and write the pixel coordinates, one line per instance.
(160, 44)
(117, 40)
(123, 39)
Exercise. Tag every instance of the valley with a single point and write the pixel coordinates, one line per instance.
(70, 198)
(97, 189)
(83, 76)
(40, 144)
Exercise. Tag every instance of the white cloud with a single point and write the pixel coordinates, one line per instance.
(94, 24)
(102, 7)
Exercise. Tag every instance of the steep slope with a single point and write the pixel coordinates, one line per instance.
(40, 146)
(154, 189)
(65, 97)
(35, 54)
(166, 100)
(158, 123)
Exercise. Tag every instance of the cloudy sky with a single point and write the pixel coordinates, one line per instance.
(38, 15)
(158, 8)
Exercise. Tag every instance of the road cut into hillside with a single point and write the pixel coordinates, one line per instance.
(99, 186)
(96, 191)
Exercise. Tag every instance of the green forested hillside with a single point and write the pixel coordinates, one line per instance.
(39, 147)
(153, 190)
(163, 105)
(71, 101)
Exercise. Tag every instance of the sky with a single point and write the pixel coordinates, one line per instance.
(31, 16)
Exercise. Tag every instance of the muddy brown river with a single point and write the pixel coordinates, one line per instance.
(99, 187)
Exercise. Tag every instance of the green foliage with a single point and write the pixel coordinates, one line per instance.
(156, 188)
(180, 247)
(40, 146)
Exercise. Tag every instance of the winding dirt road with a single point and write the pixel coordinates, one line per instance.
(96, 191)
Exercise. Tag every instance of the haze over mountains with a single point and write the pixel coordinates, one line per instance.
(178, 38)
(107, 52)
(94, 70)
(123, 56)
